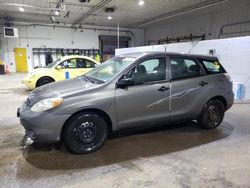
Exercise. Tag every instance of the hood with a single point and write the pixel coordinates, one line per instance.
(62, 89)
(39, 69)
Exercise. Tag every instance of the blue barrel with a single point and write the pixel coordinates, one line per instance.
(238, 89)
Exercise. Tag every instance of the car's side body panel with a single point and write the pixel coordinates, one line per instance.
(137, 105)
(103, 100)
(142, 104)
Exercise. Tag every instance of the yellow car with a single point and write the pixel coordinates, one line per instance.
(66, 67)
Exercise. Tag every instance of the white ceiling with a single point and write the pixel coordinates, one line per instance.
(127, 12)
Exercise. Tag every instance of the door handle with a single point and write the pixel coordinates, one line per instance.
(163, 88)
(203, 83)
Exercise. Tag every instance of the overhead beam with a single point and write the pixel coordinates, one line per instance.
(185, 10)
(25, 5)
(92, 11)
(94, 28)
(74, 4)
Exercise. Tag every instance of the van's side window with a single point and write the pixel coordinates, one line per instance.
(184, 68)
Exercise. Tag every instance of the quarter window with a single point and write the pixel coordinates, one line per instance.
(90, 64)
(151, 70)
(184, 68)
(213, 67)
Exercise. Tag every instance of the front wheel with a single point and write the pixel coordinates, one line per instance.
(85, 133)
(43, 81)
(212, 114)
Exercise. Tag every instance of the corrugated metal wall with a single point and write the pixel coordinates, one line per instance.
(208, 22)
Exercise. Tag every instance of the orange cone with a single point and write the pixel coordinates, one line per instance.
(7, 70)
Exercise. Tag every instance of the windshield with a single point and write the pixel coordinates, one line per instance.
(110, 68)
(53, 63)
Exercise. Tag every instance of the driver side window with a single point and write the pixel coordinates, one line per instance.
(69, 64)
(151, 70)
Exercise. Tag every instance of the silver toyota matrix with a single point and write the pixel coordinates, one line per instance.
(139, 89)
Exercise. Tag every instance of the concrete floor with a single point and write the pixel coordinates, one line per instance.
(177, 156)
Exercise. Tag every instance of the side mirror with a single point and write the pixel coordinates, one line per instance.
(58, 67)
(125, 82)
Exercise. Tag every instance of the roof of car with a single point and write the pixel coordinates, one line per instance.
(141, 54)
(76, 56)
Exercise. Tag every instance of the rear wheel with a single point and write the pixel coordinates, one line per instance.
(212, 114)
(43, 81)
(85, 133)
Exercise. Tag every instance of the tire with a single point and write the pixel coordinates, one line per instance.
(212, 114)
(43, 81)
(85, 133)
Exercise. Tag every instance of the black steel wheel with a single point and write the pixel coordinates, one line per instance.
(43, 81)
(212, 114)
(85, 133)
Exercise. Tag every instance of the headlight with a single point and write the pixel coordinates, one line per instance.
(46, 104)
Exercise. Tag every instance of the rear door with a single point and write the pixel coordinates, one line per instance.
(189, 87)
(147, 101)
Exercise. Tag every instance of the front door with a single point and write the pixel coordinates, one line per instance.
(74, 67)
(188, 88)
(21, 60)
(147, 100)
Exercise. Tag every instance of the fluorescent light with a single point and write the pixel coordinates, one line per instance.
(57, 12)
(141, 3)
(110, 17)
(21, 9)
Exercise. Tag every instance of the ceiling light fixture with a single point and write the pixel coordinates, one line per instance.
(141, 3)
(57, 12)
(21, 9)
(110, 17)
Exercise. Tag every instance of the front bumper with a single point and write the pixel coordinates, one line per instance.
(27, 141)
(29, 82)
(41, 127)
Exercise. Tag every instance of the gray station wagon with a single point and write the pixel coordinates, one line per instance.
(131, 90)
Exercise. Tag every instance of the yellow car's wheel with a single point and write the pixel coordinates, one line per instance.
(44, 80)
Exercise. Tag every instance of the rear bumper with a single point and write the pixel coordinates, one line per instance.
(230, 99)
(42, 127)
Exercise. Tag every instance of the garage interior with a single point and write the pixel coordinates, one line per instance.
(178, 155)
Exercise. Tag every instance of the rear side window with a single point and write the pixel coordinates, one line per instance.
(213, 67)
(184, 68)
(90, 64)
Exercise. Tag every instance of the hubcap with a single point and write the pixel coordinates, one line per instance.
(213, 114)
(86, 132)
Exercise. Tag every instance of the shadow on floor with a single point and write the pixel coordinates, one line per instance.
(130, 145)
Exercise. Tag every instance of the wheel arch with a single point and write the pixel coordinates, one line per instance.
(45, 77)
(98, 111)
(222, 99)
